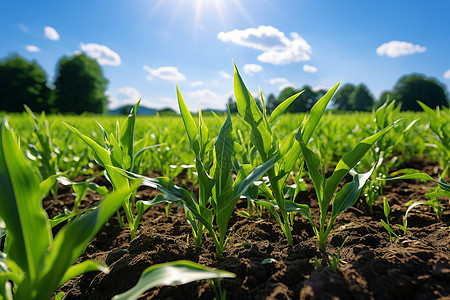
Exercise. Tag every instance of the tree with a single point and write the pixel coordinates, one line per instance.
(411, 88)
(232, 105)
(23, 82)
(342, 97)
(360, 99)
(271, 103)
(80, 85)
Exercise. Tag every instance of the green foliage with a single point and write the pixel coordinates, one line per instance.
(269, 147)
(326, 187)
(350, 97)
(80, 85)
(305, 101)
(33, 260)
(173, 273)
(23, 82)
(411, 88)
(119, 152)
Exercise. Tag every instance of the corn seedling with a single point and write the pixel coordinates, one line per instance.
(440, 125)
(382, 152)
(442, 190)
(269, 147)
(325, 188)
(32, 259)
(119, 152)
(218, 192)
(387, 225)
(44, 153)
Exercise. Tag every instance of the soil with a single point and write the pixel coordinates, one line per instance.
(416, 266)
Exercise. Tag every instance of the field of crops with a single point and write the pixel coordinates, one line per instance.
(262, 206)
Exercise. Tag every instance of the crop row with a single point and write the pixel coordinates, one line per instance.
(262, 158)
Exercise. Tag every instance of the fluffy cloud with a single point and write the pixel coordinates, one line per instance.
(319, 88)
(224, 74)
(51, 33)
(252, 68)
(196, 83)
(309, 69)
(276, 47)
(278, 80)
(124, 95)
(207, 99)
(447, 74)
(398, 48)
(286, 85)
(101, 53)
(32, 48)
(165, 73)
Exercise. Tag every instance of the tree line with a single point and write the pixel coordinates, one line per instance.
(350, 97)
(79, 86)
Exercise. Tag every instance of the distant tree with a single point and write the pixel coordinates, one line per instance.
(232, 105)
(167, 112)
(80, 85)
(341, 99)
(23, 82)
(385, 96)
(360, 99)
(411, 88)
(271, 103)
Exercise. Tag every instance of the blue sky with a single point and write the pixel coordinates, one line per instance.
(146, 47)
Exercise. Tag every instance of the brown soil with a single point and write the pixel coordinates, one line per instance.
(417, 266)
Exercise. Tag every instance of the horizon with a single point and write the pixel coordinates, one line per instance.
(146, 48)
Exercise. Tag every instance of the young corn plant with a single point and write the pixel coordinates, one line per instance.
(387, 224)
(119, 152)
(32, 259)
(382, 152)
(269, 147)
(33, 263)
(440, 125)
(44, 153)
(218, 192)
(325, 188)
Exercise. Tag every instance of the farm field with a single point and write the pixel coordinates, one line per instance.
(309, 206)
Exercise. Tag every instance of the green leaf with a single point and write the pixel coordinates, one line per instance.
(348, 161)
(83, 267)
(224, 147)
(29, 234)
(349, 193)
(425, 177)
(188, 121)
(242, 186)
(282, 107)
(69, 244)
(316, 114)
(386, 208)
(127, 137)
(173, 273)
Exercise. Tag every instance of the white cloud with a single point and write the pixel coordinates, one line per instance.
(164, 73)
(51, 33)
(32, 48)
(224, 74)
(398, 48)
(447, 74)
(101, 53)
(124, 95)
(319, 87)
(252, 68)
(276, 47)
(207, 99)
(286, 85)
(278, 80)
(196, 83)
(309, 69)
